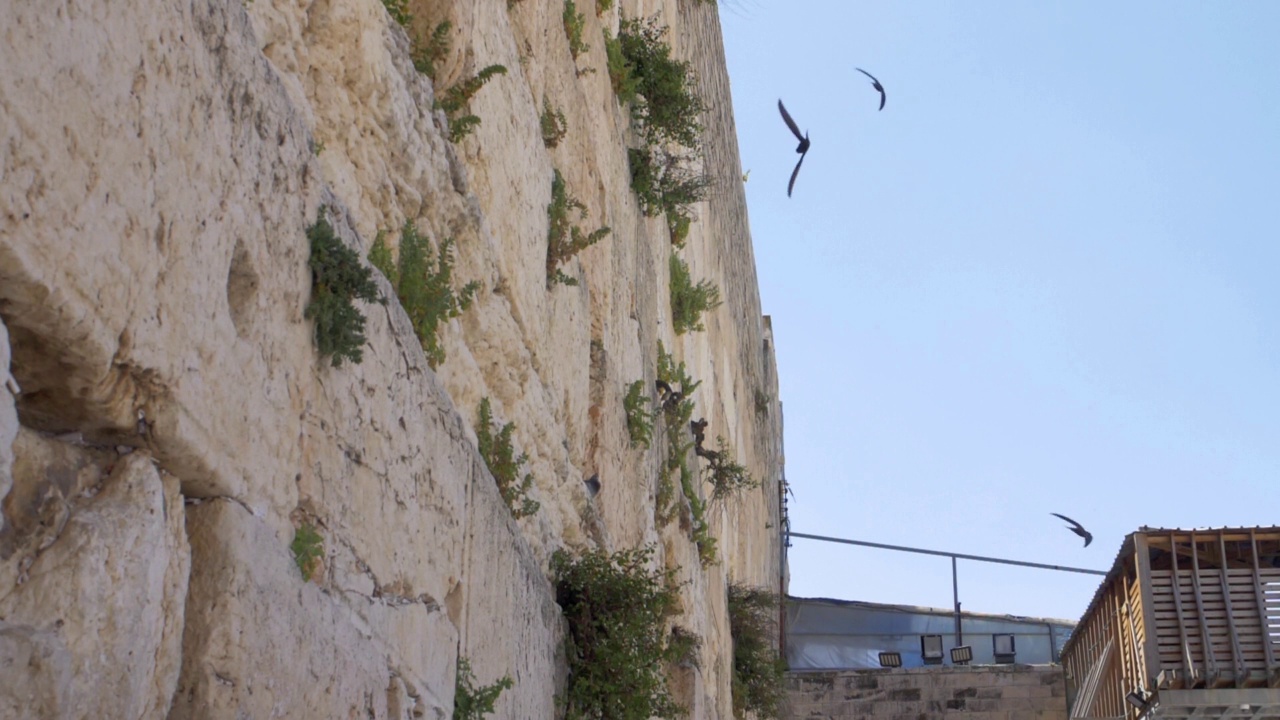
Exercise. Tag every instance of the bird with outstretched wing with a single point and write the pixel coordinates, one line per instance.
(1078, 529)
(802, 148)
(874, 83)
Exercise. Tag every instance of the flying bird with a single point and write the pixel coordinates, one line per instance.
(874, 83)
(1078, 529)
(802, 148)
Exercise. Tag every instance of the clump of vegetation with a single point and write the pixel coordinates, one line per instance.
(762, 403)
(471, 702)
(307, 548)
(639, 415)
(427, 56)
(424, 284)
(573, 23)
(617, 645)
(689, 301)
(664, 183)
(457, 97)
(757, 668)
(399, 11)
(621, 76)
(553, 125)
(337, 278)
(504, 464)
(677, 409)
(564, 239)
(603, 6)
(726, 476)
(668, 109)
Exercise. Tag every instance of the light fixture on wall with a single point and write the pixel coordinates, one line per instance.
(962, 655)
(931, 649)
(1003, 647)
(890, 659)
(1139, 699)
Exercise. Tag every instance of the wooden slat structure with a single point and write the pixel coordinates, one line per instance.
(1187, 621)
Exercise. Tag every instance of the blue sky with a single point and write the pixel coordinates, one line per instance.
(1043, 279)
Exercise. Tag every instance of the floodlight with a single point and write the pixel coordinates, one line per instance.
(931, 649)
(962, 655)
(890, 659)
(1003, 647)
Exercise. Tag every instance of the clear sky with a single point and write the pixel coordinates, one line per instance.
(1043, 279)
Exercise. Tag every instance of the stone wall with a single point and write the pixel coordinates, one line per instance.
(987, 692)
(167, 424)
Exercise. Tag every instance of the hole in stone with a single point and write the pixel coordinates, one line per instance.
(242, 289)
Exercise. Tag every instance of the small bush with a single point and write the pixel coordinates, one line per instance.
(603, 6)
(337, 278)
(504, 464)
(664, 183)
(762, 403)
(677, 409)
(639, 416)
(307, 548)
(669, 110)
(471, 702)
(726, 476)
(553, 125)
(564, 239)
(617, 645)
(424, 284)
(621, 76)
(757, 668)
(573, 22)
(689, 301)
(457, 97)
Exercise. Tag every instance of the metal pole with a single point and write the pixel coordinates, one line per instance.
(955, 596)
(979, 558)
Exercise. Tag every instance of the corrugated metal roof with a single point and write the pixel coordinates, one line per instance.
(932, 611)
(1126, 549)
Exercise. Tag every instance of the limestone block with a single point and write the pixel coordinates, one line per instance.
(262, 643)
(100, 605)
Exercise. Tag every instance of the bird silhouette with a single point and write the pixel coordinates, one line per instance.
(1078, 529)
(802, 148)
(874, 83)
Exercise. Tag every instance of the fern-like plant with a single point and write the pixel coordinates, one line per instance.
(573, 24)
(726, 475)
(471, 702)
(503, 463)
(553, 124)
(428, 56)
(456, 99)
(639, 415)
(424, 284)
(565, 239)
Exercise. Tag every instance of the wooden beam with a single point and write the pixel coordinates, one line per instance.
(1272, 671)
(1237, 659)
(1151, 650)
(1206, 646)
(1189, 669)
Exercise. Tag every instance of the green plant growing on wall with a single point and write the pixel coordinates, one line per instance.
(639, 415)
(603, 6)
(428, 56)
(337, 278)
(677, 409)
(726, 476)
(617, 645)
(399, 11)
(307, 548)
(564, 239)
(573, 23)
(668, 109)
(762, 403)
(504, 464)
(471, 702)
(689, 301)
(757, 669)
(664, 184)
(456, 99)
(553, 125)
(424, 284)
(621, 77)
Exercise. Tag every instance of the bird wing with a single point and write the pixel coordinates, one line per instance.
(786, 117)
(1088, 538)
(875, 82)
(794, 173)
(1078, 529)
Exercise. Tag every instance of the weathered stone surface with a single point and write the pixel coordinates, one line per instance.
(262, 643)
(96, 602)
(8, 419)
(158, 168)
